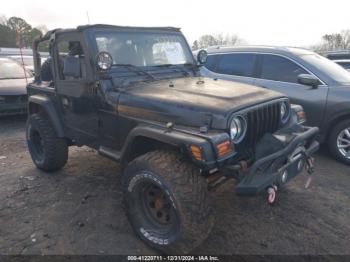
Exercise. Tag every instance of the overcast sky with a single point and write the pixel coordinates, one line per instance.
(270, 22)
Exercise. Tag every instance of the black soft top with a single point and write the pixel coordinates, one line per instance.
(102, 26)
(105, 26)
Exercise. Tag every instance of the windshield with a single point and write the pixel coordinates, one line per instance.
(328, 67)
(144, 48)
(10, 69)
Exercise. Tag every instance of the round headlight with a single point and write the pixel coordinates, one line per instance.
(104, 61)
(285, 112)
(238, 128)
(202, 57)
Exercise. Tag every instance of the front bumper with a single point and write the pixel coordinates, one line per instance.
(296, 147)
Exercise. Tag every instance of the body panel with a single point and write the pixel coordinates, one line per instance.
(190, 101)
(338, 105)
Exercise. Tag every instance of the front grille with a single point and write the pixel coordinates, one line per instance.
(261, 120)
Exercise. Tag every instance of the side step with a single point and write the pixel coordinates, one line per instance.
(110, 153)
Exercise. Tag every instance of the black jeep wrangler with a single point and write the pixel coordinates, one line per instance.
(136, 96)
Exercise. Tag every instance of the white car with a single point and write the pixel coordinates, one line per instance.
(13, 92)
(27, 60)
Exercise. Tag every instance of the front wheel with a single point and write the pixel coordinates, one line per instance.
(339, 142)
(167, 202)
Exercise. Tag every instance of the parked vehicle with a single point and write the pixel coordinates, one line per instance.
(27, 60)
(136, 96)
(345, 63)
(13, 92)
(6, 51)
(27, 54)
(321, 86)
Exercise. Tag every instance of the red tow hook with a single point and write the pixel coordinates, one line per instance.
(310, 170)
(271, 194)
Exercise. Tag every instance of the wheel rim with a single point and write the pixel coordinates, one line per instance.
(37, 143)
(343, 142)
(157, 206)
(152, 209)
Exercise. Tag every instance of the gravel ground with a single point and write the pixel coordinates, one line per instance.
(78, 210)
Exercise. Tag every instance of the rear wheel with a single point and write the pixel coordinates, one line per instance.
(167, 202)
(339, 142)
(48, 151)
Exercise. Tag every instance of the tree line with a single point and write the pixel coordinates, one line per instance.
(217, 40)
(335, 41)
(329, 42)
(16, 32)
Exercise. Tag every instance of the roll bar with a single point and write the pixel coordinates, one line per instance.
(36, 55)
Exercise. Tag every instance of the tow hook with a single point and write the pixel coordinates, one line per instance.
(310, 170)
(271, 194)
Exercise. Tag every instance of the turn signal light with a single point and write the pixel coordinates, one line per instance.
(224, 148)
(196, 152)
(301, 117)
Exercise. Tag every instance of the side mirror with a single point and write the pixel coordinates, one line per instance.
(71, 67)
(202, 56)
(309, 80)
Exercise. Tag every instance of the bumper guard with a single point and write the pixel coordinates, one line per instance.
(253, 183)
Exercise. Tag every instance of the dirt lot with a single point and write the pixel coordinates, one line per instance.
(78, 210)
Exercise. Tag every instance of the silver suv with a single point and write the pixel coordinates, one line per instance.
(321, 86)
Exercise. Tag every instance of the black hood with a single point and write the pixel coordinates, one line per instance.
(191, 101)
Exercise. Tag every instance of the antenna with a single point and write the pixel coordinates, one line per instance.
(19, 43)
(88, 18)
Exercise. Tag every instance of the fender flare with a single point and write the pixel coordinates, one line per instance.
(48, 107)
(170, 137)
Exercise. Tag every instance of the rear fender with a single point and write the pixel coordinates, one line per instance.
(41, 102)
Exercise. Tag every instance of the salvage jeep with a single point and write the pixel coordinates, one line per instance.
(136, 96)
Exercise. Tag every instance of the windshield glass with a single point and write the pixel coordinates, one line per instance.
(10, 69)
(328, 67)
(144, 48)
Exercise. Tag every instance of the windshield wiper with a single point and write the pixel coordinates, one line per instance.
(190, 64)
(136, 69)
(176, 66)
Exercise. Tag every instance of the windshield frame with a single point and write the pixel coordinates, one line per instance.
(92, 37)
